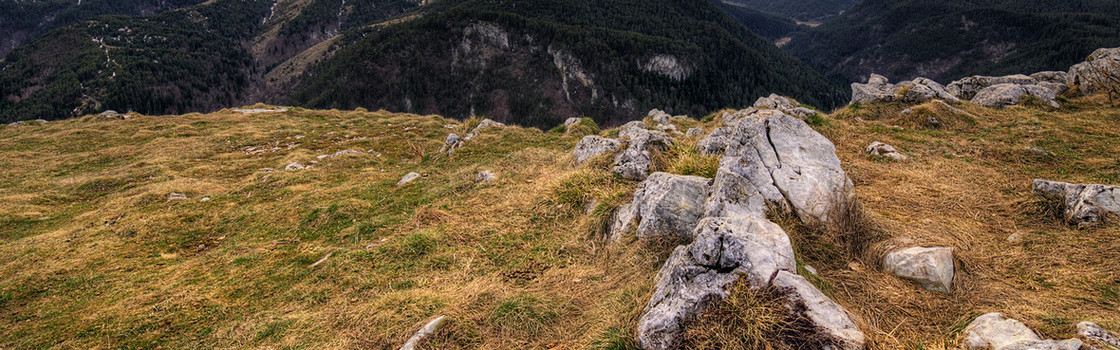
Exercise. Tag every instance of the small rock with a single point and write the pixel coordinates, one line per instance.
(204, 199)
(450, 144)
(810, 269)
(1015, 237)
(486, 123)
(485, 176)
(884, 150)
(931, 268)
(571, 121)
(408, 178)
(109, 114)
(659, 117)
(697, 131)
(176, 196)
(1039, 152)
(294, 166)
(634, 162)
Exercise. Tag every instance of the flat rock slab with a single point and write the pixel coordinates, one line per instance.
(664, 205)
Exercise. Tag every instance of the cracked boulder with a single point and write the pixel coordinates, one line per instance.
(700, 273)
(1003, 95)
(634, 161)
(665, 205)
(1083, 204)
(772, 160)
(931, 268)
(591, 146)
(994, 331)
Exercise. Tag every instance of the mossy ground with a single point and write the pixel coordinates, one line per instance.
(94, 255)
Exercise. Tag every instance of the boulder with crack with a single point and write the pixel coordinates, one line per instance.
(772, 160)
(634, 161)
(1083, 204)
(932, 268)
(665, 205)
(994, 331)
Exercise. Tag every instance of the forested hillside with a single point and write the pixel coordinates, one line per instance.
(21, 20)
(766, 25)
(537, 62)
(944, 40)
(198, 58)
(801, 10)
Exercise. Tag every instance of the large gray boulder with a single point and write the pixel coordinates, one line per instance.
(966, 88)
(701, 272)
(591, 146)
(879, 89)
(1003, 95)
(1084, 204)
(1100, 68)
(776, 161)
(994, 331)
(665, 205)
(634, 161)
(825, 314)
(931, 268)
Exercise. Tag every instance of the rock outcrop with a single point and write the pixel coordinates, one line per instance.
(879, 89)
(591, 146)
(1099, 69)
(967, 88)
(634, 161)
(1083, 204)
(880, 149)
(770, 160)
(1003, 95)
(994, 331)
(665, 205)
(931, 268)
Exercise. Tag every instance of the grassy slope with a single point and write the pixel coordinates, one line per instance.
(94, 255)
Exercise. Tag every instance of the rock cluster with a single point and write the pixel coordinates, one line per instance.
(633, 161)
(784, 104)
(879, 89)
(994, 331)
(454, 141)
(769, 160)
(1101, 68)
(1083, 204)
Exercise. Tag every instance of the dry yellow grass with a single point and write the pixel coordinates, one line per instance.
(94, 255)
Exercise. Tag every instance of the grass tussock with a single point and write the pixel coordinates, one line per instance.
(750, 319)
(682, 158)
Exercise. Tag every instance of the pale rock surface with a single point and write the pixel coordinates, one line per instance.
(879, 89)
(1003, 95)
(408, 178)
(884, 150)
(591, 146)
(634, 161)
(1097, 336)
(697, 131)
(1084, 204)
(994, 331)
(486, 123)
(932, 268)
(664, 205)
(824, 313)
(430, 328)
(451, 143)
(486, 176)
(294, 166)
